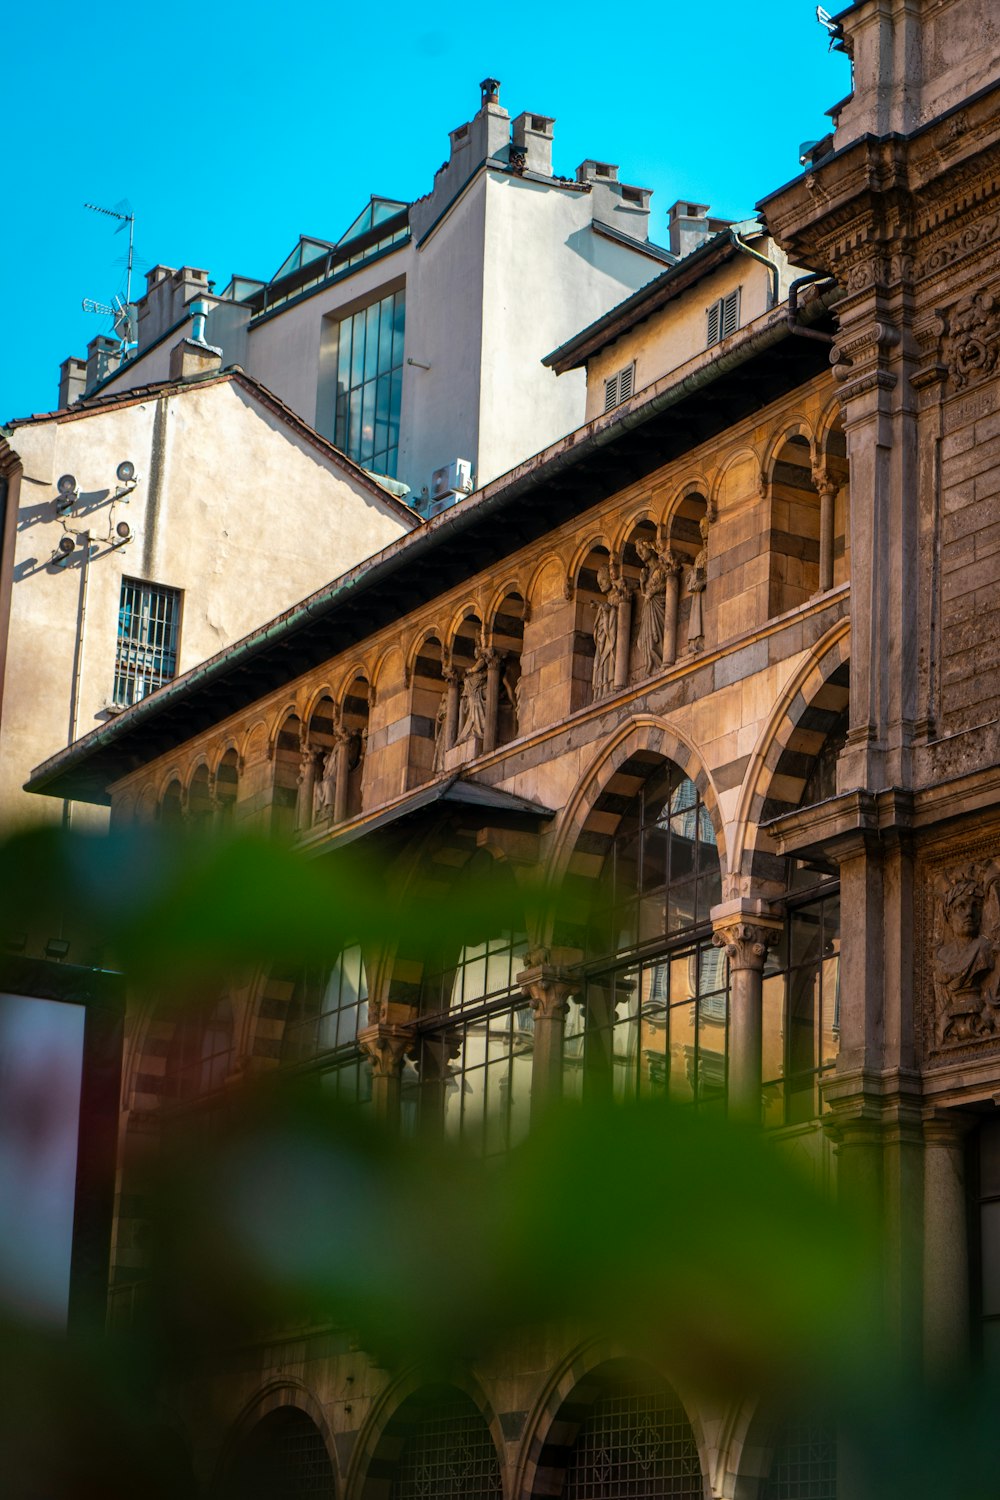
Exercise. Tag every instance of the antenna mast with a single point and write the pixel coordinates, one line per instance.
(122, 313)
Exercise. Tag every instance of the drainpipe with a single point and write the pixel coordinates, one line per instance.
(792, 316)
(756, 255)
(74, 707)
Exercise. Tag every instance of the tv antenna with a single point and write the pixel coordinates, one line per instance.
(122, 311)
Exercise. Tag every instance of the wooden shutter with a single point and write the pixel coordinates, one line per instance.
(611, 393)
(730, 313)
(625, 382)
(714, 322)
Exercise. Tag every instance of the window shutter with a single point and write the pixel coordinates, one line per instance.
(714, 315)
(625, 382)
(730, 313)
(611, 393)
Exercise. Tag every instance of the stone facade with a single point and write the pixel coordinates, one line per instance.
(731, 646)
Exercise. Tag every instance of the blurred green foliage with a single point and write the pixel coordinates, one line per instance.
(700, 1245)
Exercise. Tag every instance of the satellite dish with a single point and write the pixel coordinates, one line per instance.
(125, 471)
(66, 545)
(124, 531)
(67, 485)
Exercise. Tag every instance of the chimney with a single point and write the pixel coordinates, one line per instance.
(531, 144)
(689, 226)
(192, 357)
(103, 358)
(596, 171)
(72, 380)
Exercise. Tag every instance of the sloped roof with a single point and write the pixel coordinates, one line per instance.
(89, 406)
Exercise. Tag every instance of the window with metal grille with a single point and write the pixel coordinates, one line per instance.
(284, 1458)
(146, 657)
(448, 1455)
(636, 1441)
(618, 387)
(805, 1463)
(723, 317)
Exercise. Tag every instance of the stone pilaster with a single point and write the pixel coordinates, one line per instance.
(621, 594)
(946, 1242)
(343, 742)
(746, 928)
(827, 488)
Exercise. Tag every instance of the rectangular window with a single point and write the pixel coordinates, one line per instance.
(370, 383)
(723, 317)
(148, 620)
(619, 387)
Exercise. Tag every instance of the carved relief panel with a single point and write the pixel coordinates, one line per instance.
(959, 953)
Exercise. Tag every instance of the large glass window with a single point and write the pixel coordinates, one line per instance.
(801, 1022)
(637, 1440)
(473, 1073)
(327, 1009)
(148, 621)
(652, 1019)
(370, 383)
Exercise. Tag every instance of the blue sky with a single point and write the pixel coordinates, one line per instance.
(235, 128)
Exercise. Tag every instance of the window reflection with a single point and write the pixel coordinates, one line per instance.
(655, 1025)
(327, 1009)
(801, 1021)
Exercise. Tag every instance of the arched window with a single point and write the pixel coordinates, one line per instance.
(804, 1466)
(633, 1439)
(473, 1072)
(652, 1019)
(447, 1451)
(327, 1009)
(202, 1049)
(283, 1458)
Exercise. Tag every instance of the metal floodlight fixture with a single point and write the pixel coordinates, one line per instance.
(125, 474)
(123, 532)
(65, 548)
(67, 495)
(57, 948)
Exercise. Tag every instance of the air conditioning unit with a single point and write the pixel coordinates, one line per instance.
(454, 479)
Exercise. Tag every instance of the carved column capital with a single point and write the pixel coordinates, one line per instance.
(747, 928)
(823, 480)
(386, 1046)
(548, 986)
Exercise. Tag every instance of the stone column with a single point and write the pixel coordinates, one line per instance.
(671, 607)
(452, 693)
(946, 1247)
(343, 741)
(494, 665)
(306, 786)
(746, 928)
(621, 594)
(386, 1046)
(548, 986)
(827, 488)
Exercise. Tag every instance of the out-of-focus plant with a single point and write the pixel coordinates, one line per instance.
(695, 1243)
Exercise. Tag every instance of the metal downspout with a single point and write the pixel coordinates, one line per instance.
(756, 255)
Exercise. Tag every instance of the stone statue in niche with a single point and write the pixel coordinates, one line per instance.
(966, 965)
(324, 793)
(605, 634)
(697, 578)
(440, 733)
(652, 588)
(510, 705)
(472, 706)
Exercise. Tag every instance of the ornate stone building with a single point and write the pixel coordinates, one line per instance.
(720, 664)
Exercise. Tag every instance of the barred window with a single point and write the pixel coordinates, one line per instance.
(805, 1463)
(148, 622)
(284, 1458)
(637, 1440)
(448, 1455)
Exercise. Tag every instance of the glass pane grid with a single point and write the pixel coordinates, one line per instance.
(369, 383)
(146, 655)
(450, 1456)
(327, 1009)
(635, 1444)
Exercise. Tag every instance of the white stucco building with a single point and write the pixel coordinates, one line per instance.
(147, 529)
(415, 338)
